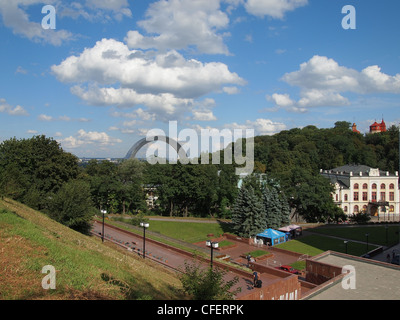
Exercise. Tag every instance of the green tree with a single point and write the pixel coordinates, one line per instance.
(207, 283)
(130, 174)
(272, 208)
(31, 169)
(72, 206)
(248, 215)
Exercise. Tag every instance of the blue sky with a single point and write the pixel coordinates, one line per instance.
(114, 69)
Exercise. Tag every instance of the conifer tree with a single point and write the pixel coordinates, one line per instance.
(248, 215)
(272, 207)
(285, 211)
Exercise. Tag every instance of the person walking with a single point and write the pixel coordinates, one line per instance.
(255, 278)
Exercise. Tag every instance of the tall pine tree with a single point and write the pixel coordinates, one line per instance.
(248, 215)
(272, 207)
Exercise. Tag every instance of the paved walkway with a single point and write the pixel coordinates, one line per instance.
(168, 257)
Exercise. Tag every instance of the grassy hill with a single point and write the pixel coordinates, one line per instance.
(85, 268)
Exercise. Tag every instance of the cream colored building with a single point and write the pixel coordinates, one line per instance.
(361, 188)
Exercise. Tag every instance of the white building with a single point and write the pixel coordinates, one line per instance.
(360, 188)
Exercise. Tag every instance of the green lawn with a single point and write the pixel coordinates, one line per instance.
(85, 268)
(377, 234)
(316, 244)
(257, 253)
(188, 231)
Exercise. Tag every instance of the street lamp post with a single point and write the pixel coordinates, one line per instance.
(102, 232)
(212, 245)
(387, 238)
(145, 225)
(367, 234)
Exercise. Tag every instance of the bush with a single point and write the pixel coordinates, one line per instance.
(207, 283)
(361, 218)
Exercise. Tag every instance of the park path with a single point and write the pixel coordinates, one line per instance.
(161, 254)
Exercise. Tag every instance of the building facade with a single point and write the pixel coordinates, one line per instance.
(361, 188)
(377, 127)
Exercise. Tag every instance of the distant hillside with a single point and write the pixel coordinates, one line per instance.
(85, 268)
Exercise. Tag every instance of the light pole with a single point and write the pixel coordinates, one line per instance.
(387, 238)
(102, 232)
(367, 234)
(212, 245)
(145, 225)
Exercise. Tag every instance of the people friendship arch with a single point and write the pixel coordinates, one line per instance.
(206, 141)
(141, 143)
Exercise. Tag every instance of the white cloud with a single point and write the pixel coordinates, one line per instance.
(203, 116)
(10, 110)
(322, 82)
(180, 24)
(323, 73)
(15, 18)
(96, 10)
(44, 117)
(260, 126)
(273, 8)
(166, 83)
(231, 90)
(21, 70)
(83, 138)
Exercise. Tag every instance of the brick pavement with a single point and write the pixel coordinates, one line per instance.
(173, 258)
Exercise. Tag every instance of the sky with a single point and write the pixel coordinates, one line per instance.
(109, 71)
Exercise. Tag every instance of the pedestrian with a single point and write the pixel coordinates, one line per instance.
(255, 278)
(248, 260)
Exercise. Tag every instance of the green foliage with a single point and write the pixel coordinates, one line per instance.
(72, 206)
(360, 218)
(248, 215)
(31, 169)
(207, 283)
(117, 188)
(260, 204)
(200, 190)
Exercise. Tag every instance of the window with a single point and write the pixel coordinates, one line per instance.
(346, 197)
(391, 196)
(391, 187)
(365, 186)
(356, 186)
(373, 197)
(391, 209)
(383, 186)
(374, 186)
(365, 209)
(383, 196)
(355, 196)
(365, 196)
(356, 209)
(345, 209)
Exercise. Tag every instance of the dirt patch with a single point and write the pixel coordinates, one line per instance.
(17, 281)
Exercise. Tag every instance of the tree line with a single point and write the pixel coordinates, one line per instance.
(39, 173)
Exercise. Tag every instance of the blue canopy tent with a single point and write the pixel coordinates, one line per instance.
(272, 237)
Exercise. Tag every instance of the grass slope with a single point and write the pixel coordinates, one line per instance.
(85, 268)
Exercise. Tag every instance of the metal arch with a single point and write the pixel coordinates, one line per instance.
(141, 143)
